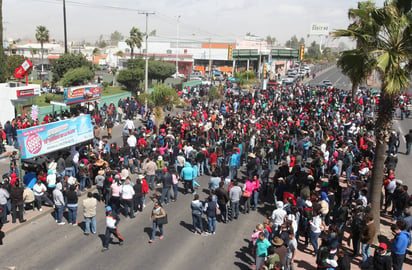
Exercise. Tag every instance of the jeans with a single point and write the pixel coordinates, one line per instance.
(129, 204)
(41, 199)
(115, 204)
(314, 240)
(365, 255)
(233, 172)
(72, 214)
(255, 199)
(201, 168)
(197, 221)
(4, 216)
(150, 180)
(397, 261)
(70, 171)
(88, 221)
(235, 209)
(188, 185)
(246, 205)
(100, 192)
(58, 210)
(211, 221)
(165, 193)
(175, 191)
(154, 225)
(408, 147)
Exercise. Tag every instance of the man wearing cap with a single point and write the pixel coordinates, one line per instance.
(167, 181)
(111, 228)
(382, 259)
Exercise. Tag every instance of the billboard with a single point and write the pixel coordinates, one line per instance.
(320, 29)
(82, 94)
(43, 139)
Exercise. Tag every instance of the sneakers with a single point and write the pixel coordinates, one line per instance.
(61, 223)
(41, 209)
(75, 224)
(161, 237)
(203, 234)
(104, 249)
(150, 241)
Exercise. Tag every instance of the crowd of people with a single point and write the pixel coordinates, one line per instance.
(307, 151)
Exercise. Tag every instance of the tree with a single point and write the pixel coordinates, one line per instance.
(101, 43)
(12, 62)
(135, 40)
(33, 52)
(389, 47)
(66, 62)
(159, 70)
(115, 37)
(2, 55)
(130, 78)
(293, 43)
(77, 76)
(163, 96)
(42, 35)
(357, 64)
(270, 40)
(314, 51)
(96, 51)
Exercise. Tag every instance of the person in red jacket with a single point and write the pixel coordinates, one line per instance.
(213, 161)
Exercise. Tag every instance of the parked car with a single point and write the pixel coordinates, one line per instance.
(325, 83)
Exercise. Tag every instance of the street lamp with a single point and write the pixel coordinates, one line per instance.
(177, 47)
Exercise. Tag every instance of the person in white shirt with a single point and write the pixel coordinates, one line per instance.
(278, 217)
(127, 192)
(132, 141)
(39, 190)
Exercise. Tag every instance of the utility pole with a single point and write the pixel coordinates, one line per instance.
(210, 61)
(177, 47)
(146, 70)
(65, 28)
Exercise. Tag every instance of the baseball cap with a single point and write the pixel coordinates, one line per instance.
(108, 209)
(383, 246)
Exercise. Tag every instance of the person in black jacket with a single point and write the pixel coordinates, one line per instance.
(222, 199)
(167, 181)
(16, 194)
(72, 200)
(382, 259)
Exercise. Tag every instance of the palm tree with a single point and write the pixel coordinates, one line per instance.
(357, 64)
(135, 40)
(389, 47)
(42, 35)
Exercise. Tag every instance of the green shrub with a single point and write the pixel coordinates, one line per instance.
(77, 76)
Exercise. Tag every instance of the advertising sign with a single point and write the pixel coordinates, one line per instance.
(40, 140)
(82, 94)
(320, 29)
(28, 92)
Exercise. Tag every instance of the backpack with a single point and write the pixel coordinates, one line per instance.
(359, 221)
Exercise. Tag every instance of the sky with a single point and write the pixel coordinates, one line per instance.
(219, 20)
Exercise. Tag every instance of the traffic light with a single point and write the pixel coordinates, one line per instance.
(229, 52)
(302, 52)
